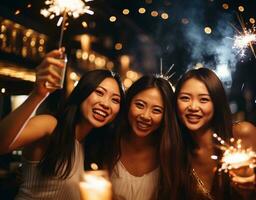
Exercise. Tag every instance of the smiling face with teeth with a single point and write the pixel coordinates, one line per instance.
(103, 104)
(195, 106)
(146, 112)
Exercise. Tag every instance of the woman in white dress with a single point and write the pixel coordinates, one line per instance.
(147, 162)
(53, 144)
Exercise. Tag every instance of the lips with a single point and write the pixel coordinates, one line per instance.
(99, 114)
(143, 125)
(193, 118)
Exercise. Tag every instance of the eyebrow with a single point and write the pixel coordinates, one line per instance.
(146, 103)
(115, 94)
(190, 94)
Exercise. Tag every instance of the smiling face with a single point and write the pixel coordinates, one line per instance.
(103, 104)
(146, 112)
(195, 107)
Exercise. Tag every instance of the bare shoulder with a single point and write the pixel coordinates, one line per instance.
(44, 122)
(245, 131)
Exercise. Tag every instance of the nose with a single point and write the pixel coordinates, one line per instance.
(105, 103)
(193, 106)
(146, 115)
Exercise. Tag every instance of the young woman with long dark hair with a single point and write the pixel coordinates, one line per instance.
(52, 145)
(202, 108)
(147, 161)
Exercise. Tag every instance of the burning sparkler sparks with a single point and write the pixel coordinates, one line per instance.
(245, 39)
(62, 8)
(235, 156)
(74, 8)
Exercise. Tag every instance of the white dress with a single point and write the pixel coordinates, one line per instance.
(129, 187)
(37, 187)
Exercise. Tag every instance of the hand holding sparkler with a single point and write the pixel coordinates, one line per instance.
(238, 162)
(64, 8)
(47, 75)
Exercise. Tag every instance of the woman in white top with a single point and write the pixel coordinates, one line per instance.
(147, 163)
(53, 145)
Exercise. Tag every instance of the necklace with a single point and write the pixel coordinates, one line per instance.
(201, 185)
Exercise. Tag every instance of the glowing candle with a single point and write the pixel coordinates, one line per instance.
(95, 186)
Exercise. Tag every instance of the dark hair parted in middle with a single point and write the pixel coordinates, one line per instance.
(167, 137)
(221, 123)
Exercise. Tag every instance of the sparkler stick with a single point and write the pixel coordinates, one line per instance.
(62, 28)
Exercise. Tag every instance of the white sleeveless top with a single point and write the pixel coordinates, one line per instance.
(35, 186)
(129, 187)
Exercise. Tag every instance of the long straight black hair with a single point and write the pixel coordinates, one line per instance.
(59, 156)
(221, 122)
(168, 138)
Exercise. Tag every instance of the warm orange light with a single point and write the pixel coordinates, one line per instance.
(118, 46)
(112, 19)
(84, 24)
(164, 16)
(142, 10)
(252, 20)
(154, 13)
(207, 30)
(241, 8)
(225, 6)
(126, 11)
(17, 12)
(127, 83)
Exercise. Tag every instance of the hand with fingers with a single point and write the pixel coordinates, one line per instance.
(48, 77)
(243, 179)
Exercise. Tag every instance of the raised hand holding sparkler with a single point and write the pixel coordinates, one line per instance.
(64, 8)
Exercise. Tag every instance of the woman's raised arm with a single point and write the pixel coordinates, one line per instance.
(12, 126)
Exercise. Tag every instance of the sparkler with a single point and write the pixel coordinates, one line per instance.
(247, 39)
(166, 75)
(65, 8)
(235, 156)
(244, 39)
